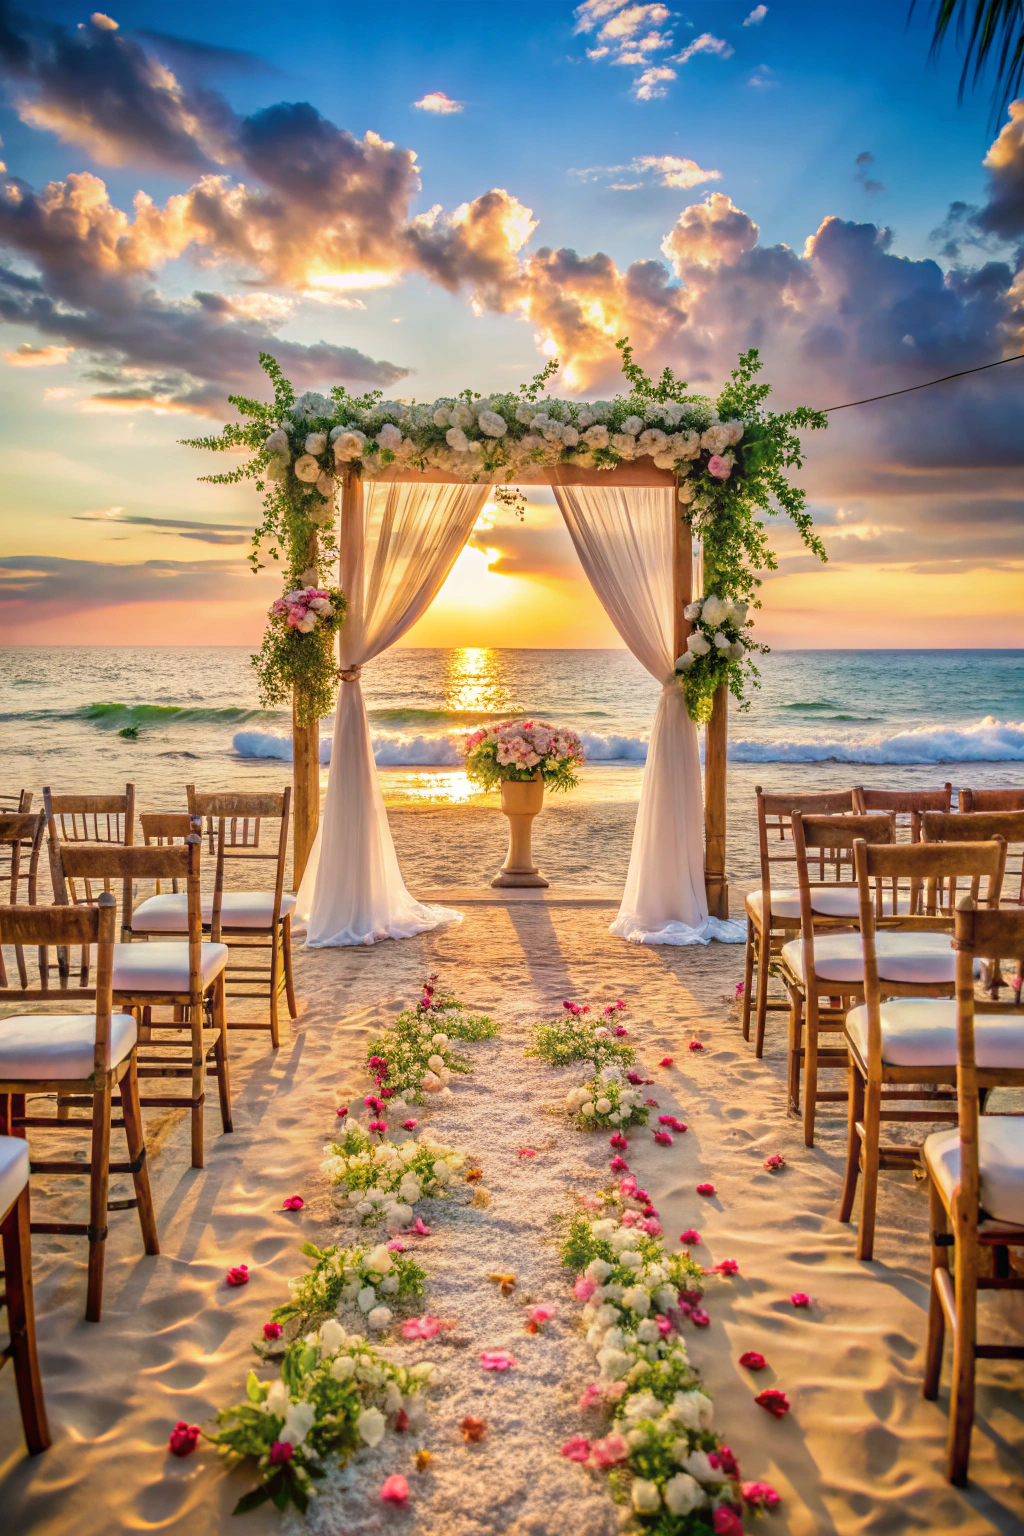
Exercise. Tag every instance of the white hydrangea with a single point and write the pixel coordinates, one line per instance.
(735, 429)
(596, 437)
(277, 468)
(456, 438)
(687, 492)
(633, 424)
(389, 437)
(442, 416)
(462, 415)
(278, 442)
(716, 611)
(722, 642)
(692, 610)
(316, 442)
(683, 1494)
(525, 412)
(698, 644)
(491, 424)
(344, 1368)
(645, 1495)
(637, 1299)
(570, 436)
(737, 651)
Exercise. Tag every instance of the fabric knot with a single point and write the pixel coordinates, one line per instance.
(350, 674)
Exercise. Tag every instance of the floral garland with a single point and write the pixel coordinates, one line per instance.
(717, 642)
(730, 458)
(298, 649)
(519, 750)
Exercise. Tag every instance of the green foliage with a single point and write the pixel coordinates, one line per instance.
(288, 660)
(574, 1038)
(338, 1274)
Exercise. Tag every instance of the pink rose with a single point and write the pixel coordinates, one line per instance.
(720, 467)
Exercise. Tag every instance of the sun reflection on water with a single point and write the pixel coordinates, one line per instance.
(473, 681)
(423, 786)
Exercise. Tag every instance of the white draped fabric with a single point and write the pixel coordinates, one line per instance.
(624, 537)
(394, 558)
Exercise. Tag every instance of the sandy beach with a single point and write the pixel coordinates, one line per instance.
(860, 1451)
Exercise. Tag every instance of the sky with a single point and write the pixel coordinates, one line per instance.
(431, 198)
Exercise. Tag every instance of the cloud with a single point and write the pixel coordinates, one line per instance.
(28, 356)
(762, 78)
(705, 43)
(437, 101)
(523, 549)
(632, 34)
(862, 165)
(653, 83)
(670, 171)
(37, 586)
(756, 16)
(201, 532)
(1003, 214)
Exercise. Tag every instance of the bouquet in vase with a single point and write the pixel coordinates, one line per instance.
(522, 750)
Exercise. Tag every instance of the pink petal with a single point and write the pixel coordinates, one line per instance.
(727, 1267)
(691, 1237)
(663, 1138)
(696, 1045)
(705, 1189)
(666, 1061)
(293, 1203)
(395, 1489)
(800, 1299)
(577, 1448)
(584, 1288)
(497, 1360)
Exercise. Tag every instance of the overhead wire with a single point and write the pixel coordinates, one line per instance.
(910, 388)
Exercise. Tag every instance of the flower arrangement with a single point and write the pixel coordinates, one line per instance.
(606, 1102)
(384, 1179)
(661, 1453)
(520, 750)
(298, 648)
(716, 650)
(414, 1057)
(334, 1394)
(576, 1037)
(458, 1024)
(369, 1280)
(730, 457)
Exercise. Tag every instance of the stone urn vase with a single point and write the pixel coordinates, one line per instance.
(521, 800)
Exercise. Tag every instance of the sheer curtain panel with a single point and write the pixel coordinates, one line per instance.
(624, 537)
(398, 543)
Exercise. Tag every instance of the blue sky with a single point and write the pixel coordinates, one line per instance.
(762, 126)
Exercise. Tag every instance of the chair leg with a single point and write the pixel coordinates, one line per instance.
(132, 1115)
(748, 975)
(221, 1054)
(275, 983)
(870, 1154)
(796, 1014)
(938, 1227)
(17, 1249)
(764, 956)
(99, 1188)
(811, 1068)
(198, 1085)
(961, 1393)
(855, 1112)
(289, 981)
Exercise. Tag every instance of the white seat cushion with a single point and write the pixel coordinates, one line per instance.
(239, 909)
(1000, 1162)
(40, 1046)
(840, 901)
(13, 1170)
(902, 957)
(921, 1032)
(163, 966)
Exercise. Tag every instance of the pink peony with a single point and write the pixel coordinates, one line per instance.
(418, 1228)
(420, 1327)
(577, 1448)
(627, 1187)
(691, 1237)
(497, 1360)
(280, 1452)
(609, 1451)
(238, 1275)
(721, 469)
(395, 1489)
(800, 1299)
(183, 1439)
(396, 1245)
(774, 1163)
(584, 1288)
(664, 1324)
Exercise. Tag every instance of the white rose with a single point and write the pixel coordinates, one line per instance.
(371, 1425)
(683, 1494)
(462, 414)
(717, 438)
(389, 436)
(716, 611)
(307, 624)
(603, 1106)
(277, 468)
(614, 1363)
(652, 441)
(646, 1498)
(737, 651)
(570, 437)
(624, 445)
(598, 1270)
(491, 424)
(325, 484)
(666, 1296)
(332, 1337)
(344, 1368)
(457, 440)
(316, 442)
(735, 431)
(435, 1063)
(685, 662)
(630, 1260)
(698, 643)
(379, 1318)
(665, 460)
(348, 445)
(299, 1420)
(389, 1285)
(687, 492)
(307, 468)
(380, 1260)
(442, 1173)
(632, 424)
(431, 1082)
(367, 1298)
(722, 642)
(738, 613)
(278, 442)
(692, 610)
(596, 437)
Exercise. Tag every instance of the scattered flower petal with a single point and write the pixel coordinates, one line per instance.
(609, 1451)
(618, 1141)
(592, 1395)
(773, 1401)
(497, 1360)
(696, 1045)
(294, 1203)
(538, 1316)
(666, 1061)
(474, 1175)
(272, 1331)
(395, 1489)
(759, 1496)
(772, 1165)
(726, 1267)
(618, 1164)
(651, 1103)
(584, 1288)
(705, 1189)
(473, 1429)
(663, 1138)
(409, 1125)
(481, 1196)
(341, 1111)
(418, 1228)
(527, 1152)
(423, 1460)
(401, 1421)
(420, 1327)
(183, 1439)
(700, 1317)
(238, 1275)
(752, 1361)
(800, 1299)
(691, 1237)
(396, 1245)
(505, 1282)
(576, 1449)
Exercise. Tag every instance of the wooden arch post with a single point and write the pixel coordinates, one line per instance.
(305, 767)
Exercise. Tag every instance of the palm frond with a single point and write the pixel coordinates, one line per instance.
(991, 32)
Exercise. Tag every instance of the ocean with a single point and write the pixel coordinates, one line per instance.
(91, 718)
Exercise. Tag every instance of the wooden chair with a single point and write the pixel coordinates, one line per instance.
(106, 819)
(773, 914)
(14, 805)
(258, 920)
(991, 800)
(20, 831)
(975, 1192)
(969, 826)
(906, 805)
(186, 976)
(20, 802)
(83, 1055)
(902, 1038)
(15, 1232)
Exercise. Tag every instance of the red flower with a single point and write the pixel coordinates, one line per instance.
(293, 1203)
(800, 1299)
(727, 1267)
(752, 1361)
(773, 1401)
(705, 1189)
(280, 1452)
(618, 1141)
(401, 1420)
(691, 1237)
(673, 1121)
(727, 1522)
(342, 1112)
(726, 1460)
(666, 1061)
(473, 1429)
(239, 1275)
(576, 1449)
(663, 1138)
(272, 1331)
(700, 1317)
(620, 1030)
(395, 1489)
(651, 1103)
(634, 1078)
(409, 1125)
(527, 1152)
(759, 1496)
(618, 1165)
(696, 1045)
(183, 1439)
(773, 1164)
(380, 1126)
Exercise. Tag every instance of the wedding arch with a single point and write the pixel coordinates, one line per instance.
(638, 479)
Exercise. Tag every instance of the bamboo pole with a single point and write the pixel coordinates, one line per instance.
(715, 744)
(305, 766)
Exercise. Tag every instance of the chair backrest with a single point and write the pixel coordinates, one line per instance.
(979, 826)
(233, 826)
(818, 841)
(775, 832)
(991, 799)
(91, 818)
(20, 801)
(64, 926)
(907, 805)
(79, 865)
(22, 832)
(162, 829)
(988, 935)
